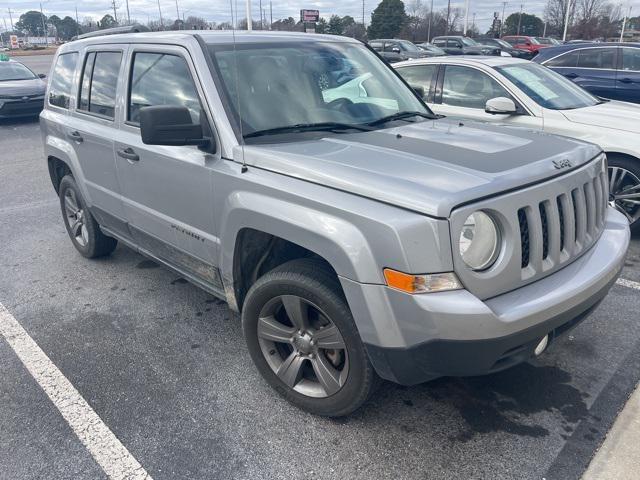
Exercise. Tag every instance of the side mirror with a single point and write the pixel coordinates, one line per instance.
(395, 50)
(418, 89)
(170, 125)
(500, 105)
(42, 75)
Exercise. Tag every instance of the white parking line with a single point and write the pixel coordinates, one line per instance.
(106, 449)
(628, 283)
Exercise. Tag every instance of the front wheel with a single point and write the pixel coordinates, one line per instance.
(82, 228)
(303, 340)
(624, 188)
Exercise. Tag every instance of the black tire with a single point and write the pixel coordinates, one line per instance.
(97, 243)
(632, 166)
(310, 280)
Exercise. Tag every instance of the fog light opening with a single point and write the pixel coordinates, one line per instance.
(542, 346)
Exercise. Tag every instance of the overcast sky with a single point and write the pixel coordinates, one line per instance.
(219, 10)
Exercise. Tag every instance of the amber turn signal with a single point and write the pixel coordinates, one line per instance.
(436, 282)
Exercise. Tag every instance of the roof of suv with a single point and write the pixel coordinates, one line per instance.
(209, 36)
(491, 61)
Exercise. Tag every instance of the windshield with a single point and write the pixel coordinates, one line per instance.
(273, 86)
(469, 42)
(15, 71)
(502, 43)
(408, 46)
(548, 88)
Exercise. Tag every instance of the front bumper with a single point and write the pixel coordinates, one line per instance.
(414, 338)
(21, 108)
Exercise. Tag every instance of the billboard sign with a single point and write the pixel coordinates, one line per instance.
(309, 16)
(13, 41)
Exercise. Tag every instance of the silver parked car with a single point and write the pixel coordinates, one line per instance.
(300, 179)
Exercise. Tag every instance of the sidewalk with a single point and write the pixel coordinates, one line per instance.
(619, 456)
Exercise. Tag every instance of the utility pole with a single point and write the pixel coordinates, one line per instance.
(128, 16)
(362, 13)
(448, 14)
(10, 19)
(566, 21)
(466, 17)
(160, 12)
(115, 11)
(544, 32)
(77, 23)
(504, 7)
(270, 14)
(473, 25)
(430, 20)
(520, 18)
(249, 22)
(260, 7)
(44, 27)
(624, 23)
(178, 14)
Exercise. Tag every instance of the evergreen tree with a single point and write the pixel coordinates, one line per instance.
(387, 20)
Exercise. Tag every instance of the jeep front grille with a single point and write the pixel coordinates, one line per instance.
(558, 229)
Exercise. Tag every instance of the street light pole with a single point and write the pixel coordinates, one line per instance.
(504, 7)
(624, 23)
(430, 20)
(566, 21)
(44, 27)
(160, 12)
(466, 17)
(520, 18)
(249, 23)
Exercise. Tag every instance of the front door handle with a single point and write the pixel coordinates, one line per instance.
(75, 136)
(571, 75)
(129, 154)
(625, 80)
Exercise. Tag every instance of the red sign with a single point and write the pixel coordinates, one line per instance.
(309, 16)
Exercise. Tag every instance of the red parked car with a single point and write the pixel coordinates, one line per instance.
(525, 43)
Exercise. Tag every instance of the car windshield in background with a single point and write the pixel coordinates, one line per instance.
(408, 46)
(290, 88)
(469, 42)
(548, 88)
(15, 71)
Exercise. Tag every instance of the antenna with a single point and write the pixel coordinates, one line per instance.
(235, 60)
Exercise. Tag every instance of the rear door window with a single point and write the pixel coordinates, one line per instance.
(419, 76)
(604, 58)
(62, 79)
(99, 83)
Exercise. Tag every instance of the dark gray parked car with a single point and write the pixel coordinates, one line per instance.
(358, 235)
(21, 90)
(393, 50)
(459, 45)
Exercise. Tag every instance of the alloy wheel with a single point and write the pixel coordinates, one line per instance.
(302, 346)
(624, 192)
(75, 218)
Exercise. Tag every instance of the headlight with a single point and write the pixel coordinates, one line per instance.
(479, 241)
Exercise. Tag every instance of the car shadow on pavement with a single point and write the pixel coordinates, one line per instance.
(17, 122)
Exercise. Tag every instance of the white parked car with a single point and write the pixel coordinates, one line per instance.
(517, 92)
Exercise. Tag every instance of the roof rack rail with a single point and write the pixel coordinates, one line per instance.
(136, 28)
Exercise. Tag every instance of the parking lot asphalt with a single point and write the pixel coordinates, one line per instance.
(37, 63)
(165, 367)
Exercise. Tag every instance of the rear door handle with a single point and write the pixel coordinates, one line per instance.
(625, 80)
(571, 75)
(129, 154)
(75, 136)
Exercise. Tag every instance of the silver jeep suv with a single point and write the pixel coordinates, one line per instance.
(301, 180)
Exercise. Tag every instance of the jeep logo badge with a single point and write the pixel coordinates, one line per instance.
(559, 164)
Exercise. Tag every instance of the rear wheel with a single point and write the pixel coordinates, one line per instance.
(82, 228)
(302, 338)
(624, 188)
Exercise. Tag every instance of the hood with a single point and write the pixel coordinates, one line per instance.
(13, 88)
(611, 114)
(480, 49)
(429, 167)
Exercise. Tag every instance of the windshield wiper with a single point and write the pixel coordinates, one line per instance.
(401, 116)
(309, 127)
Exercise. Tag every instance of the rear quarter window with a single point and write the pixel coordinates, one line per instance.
(62, 80)
(100, 80)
